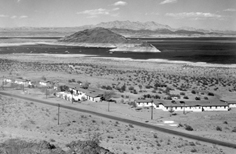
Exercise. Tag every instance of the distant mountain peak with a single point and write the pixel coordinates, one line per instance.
(133, 25)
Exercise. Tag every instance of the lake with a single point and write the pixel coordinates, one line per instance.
(216, 50)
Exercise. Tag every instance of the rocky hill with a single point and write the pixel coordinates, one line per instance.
(101, 37)
(95, 35)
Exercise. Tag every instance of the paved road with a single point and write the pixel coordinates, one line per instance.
(168, 131)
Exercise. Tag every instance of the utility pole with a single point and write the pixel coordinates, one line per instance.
(152, 111)
(46, 92)
(3, 83)
(58, 118)
(2, 104)
(184, 108)
(72, 93)
(3, 108)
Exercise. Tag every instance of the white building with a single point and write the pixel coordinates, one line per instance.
(140, 103)
(188, 106)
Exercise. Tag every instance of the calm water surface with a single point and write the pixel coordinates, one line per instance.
(210, 50)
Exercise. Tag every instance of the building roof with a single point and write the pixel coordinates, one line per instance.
(178, 103)
(92, 92)
(19, 80)
(169, 103)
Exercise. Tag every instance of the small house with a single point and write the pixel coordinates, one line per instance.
(144, 102)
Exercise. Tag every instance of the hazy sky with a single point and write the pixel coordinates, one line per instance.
(207, 14)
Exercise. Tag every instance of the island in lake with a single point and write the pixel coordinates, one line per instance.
(102, 37)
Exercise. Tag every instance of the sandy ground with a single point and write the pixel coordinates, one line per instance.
(31, 121)
(121, 137)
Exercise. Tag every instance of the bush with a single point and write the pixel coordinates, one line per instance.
(155, 136)
(189, 128)
(131, 126)
(210, 94)
(234, 130)
(192, 144)
(185, 97)
(131, 88)
(193, 150)
(193, 92)
(44, 78)
(95, 137)
(148, 86)
(218, 128)
(52, 140)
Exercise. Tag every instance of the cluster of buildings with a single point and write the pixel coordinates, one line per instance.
(27, 82)
(77, 93)
(188, 106)
(73, 92)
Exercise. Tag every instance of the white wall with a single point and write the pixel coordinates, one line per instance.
(43, 83)
(148, 104)
(7, 80)
(232, 105)
(216, 108)
(187, 108)
(97, 99)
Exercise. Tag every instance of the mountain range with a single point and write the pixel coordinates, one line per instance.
(153, 26)
(125, 28)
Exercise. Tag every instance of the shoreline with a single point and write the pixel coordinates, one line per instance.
(187, 63)
(113, 47)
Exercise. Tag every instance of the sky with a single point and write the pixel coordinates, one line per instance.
(204, 14)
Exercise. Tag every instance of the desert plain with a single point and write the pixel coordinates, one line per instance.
(129, 81)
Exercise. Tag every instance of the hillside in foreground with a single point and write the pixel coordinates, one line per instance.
(17, 146)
